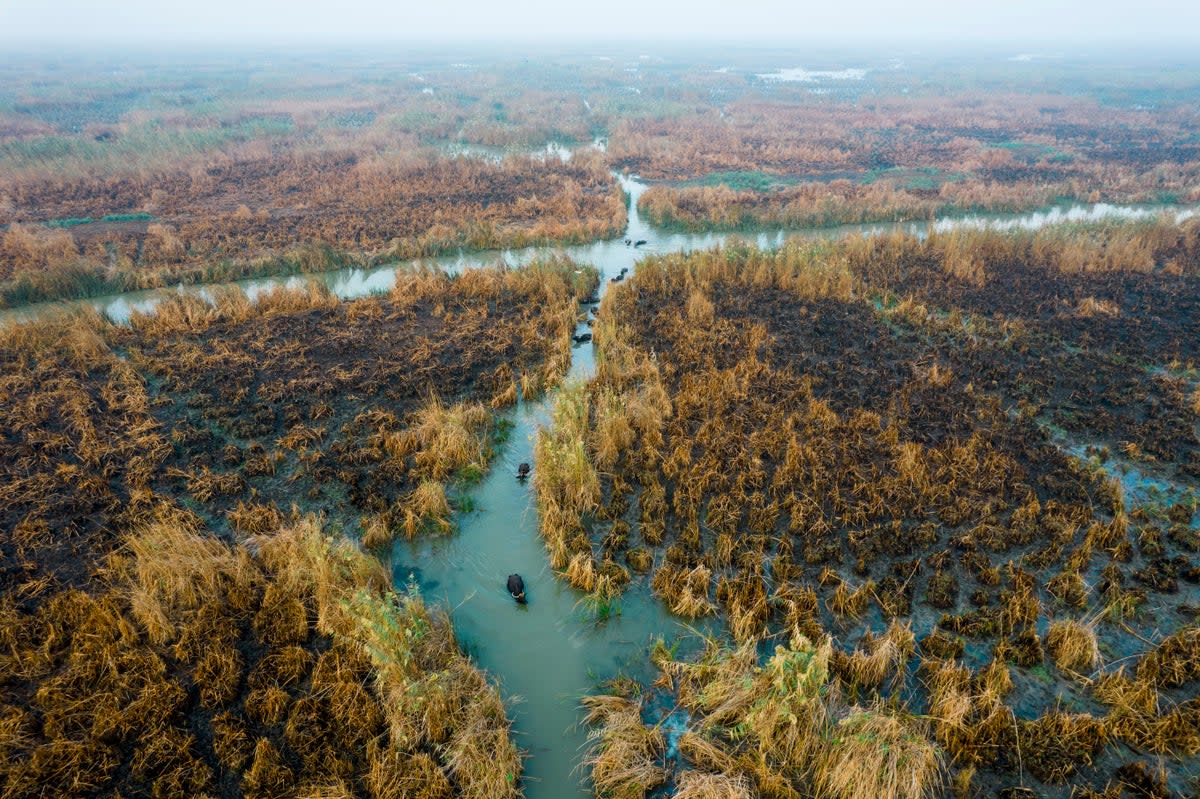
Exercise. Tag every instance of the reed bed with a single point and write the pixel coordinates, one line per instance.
(310, 673)
(146, 654)
(861, 439)
(779, 729)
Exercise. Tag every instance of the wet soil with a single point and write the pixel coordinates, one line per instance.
(229, 396)
(817, 520)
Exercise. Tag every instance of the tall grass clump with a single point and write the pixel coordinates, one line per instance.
(430, 693)
(567, 483)
(873, 753)
(625, 754)
(450, 440)
(1073, 645)
(290, 650)
(175, 570)
(775, 728)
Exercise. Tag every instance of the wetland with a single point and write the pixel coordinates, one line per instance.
(875, 482)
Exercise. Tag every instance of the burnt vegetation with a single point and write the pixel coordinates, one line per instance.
(936, 494)
(915, 452)
(177, 617)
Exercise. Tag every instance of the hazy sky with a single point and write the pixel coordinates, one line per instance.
(1141, 21)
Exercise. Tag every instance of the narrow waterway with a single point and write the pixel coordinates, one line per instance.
(608, 255)
(549, 653)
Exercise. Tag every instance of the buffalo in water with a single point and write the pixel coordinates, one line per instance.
(516, 587)
(523, 471)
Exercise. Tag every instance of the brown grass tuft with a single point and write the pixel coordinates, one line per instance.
(625, 754)
(1073, 645)
(1055, 745)
(267, 776)
(703, 785)
(873, 754)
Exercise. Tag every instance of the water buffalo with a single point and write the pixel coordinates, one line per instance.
(516, 587)
(582, 338)
(522, 471)
(639, 242)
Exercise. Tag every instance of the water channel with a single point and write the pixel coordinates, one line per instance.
(549, 653)
(611, 255)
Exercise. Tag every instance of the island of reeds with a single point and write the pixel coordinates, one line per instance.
(940, 491)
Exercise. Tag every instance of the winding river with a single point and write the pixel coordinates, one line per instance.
(548, 653)
(611, 254)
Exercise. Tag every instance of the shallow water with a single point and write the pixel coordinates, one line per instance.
(1140, 487)
(609, 255)
(549, 653)
(546, 654)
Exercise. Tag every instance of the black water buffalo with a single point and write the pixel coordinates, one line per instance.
(639, 242)
(523, 471)
(516, 587)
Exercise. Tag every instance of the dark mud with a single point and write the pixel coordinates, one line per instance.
(834, 463)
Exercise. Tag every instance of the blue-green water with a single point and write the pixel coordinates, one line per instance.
(549, 653)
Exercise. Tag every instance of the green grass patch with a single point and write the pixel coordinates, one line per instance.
(138, 217)
(70, 221)
(744, 181)
(1030, 152)
(502, 431)
(1041, 673)
(468, 475)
